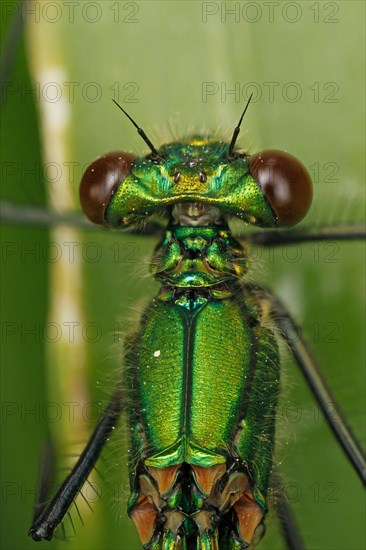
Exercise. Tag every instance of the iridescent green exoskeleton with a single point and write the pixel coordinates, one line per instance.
(202, 369)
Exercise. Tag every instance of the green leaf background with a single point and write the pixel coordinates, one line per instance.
(177, 67)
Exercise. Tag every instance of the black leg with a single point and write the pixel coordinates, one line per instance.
(314, 379)
(289, 529)
(51, 515)
(46, 473)
(288, 236)
(10, 46)
(17, 214)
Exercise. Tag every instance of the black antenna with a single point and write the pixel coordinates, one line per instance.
(139, 130)
(237, 129)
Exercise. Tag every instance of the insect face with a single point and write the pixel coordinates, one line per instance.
(269, 189)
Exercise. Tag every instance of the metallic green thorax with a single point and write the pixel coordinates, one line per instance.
(198, 257)
(151, 186)
(202, 369)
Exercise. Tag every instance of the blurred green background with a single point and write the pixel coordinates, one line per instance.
(177, 67)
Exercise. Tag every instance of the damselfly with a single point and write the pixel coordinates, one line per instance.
(202, 376)
(217, 54)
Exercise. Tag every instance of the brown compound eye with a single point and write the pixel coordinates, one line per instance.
(99, 181)
(286, 184)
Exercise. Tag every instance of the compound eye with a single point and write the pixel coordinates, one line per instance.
(286, 184)
(99, 181)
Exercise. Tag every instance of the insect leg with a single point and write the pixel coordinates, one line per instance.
(289, 530)
(17, 214)
(312, 374)
(331, 233)
(44, 525)
(46, 473)
(10, 47)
